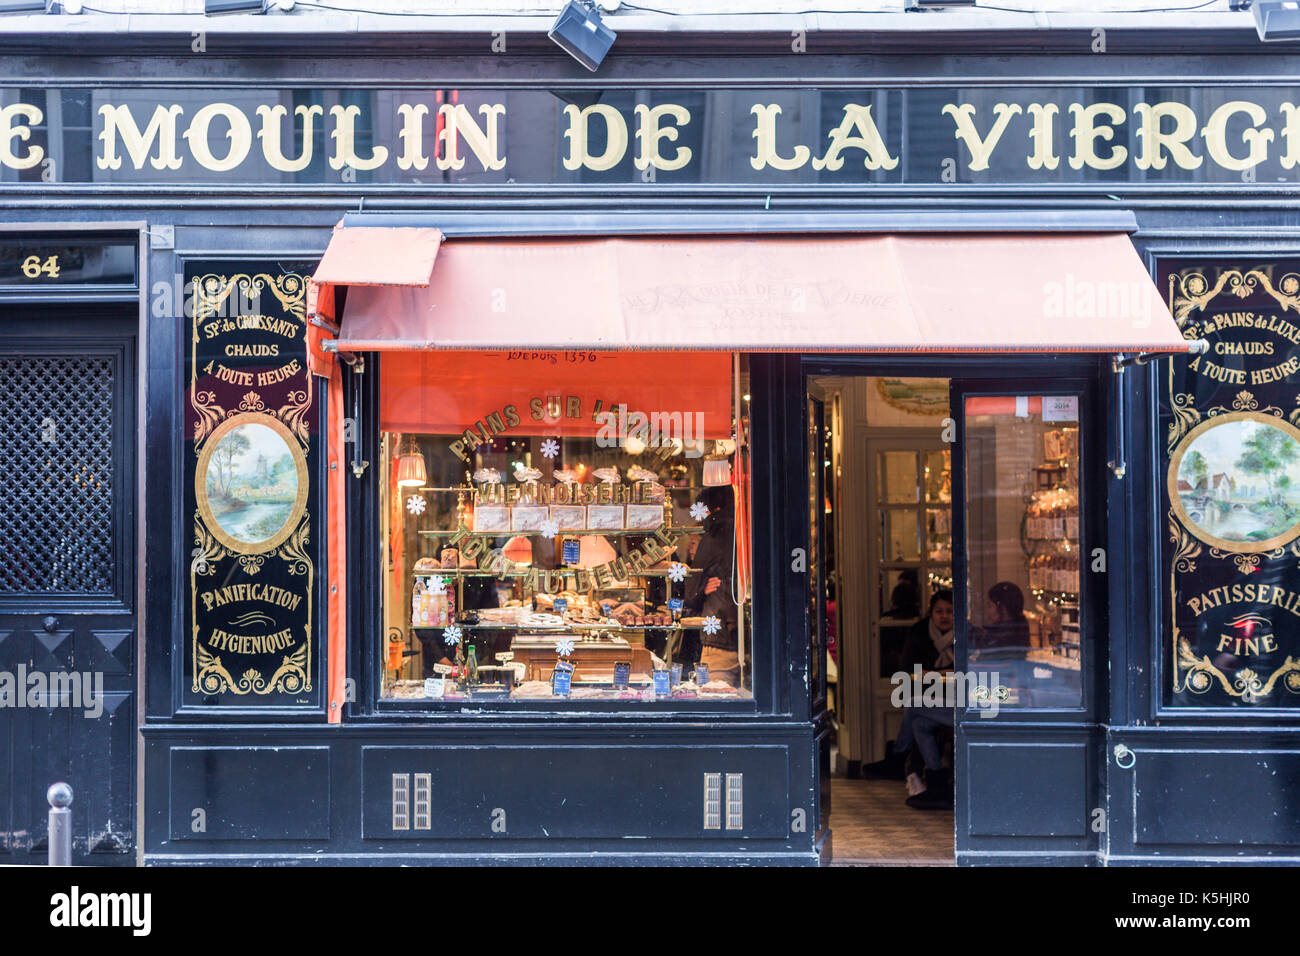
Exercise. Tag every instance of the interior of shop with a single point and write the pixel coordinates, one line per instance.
(565, 526)
(885, 455)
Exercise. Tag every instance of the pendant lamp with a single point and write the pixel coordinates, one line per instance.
(717, 467)
(410, 466)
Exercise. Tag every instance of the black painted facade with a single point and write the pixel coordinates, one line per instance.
(608, 787)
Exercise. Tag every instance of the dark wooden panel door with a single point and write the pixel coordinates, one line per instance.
(67, 578)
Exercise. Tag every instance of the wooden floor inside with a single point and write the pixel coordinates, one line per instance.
(872, 826)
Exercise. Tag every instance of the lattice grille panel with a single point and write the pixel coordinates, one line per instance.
(56, 475)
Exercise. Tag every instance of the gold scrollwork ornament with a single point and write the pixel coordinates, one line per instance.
(290, 677)
(1186, 545)
(1186, 417)
(294, 412)
(252, 402)
(1199, 673)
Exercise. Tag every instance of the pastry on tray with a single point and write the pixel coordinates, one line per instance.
(717, 687)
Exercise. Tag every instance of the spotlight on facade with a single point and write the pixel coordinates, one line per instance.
(213, 7)
(580, 32)
(1276, 19)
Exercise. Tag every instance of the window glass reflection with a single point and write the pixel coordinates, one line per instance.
(1023, 546)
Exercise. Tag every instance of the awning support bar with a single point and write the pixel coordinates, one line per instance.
(358, 466)
(1120, 362)
(347, 358)
(1119, 464)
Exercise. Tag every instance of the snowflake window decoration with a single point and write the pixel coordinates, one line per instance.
(699, 511)
(436, 585)
(549, 528)
(550, 448)
(712, 625)
(564, 646)
(451, 635)
(677, 572)
(416, 504)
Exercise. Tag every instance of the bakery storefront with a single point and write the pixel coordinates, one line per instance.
(552, 470)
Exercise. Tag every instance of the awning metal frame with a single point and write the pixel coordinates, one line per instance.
(543, 224)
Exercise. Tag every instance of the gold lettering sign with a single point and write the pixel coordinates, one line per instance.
(1176, 133)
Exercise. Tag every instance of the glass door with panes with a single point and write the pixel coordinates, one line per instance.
(910, 487)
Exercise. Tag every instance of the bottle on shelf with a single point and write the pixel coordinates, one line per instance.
(471, 666)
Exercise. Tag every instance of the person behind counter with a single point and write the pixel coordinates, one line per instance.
(708, 593)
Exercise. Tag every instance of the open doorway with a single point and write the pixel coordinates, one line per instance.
(886, 494)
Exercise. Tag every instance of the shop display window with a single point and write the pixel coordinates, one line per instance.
(1025, 574)
(562, 526)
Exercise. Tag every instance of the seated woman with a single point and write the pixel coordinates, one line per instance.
(1004, 639)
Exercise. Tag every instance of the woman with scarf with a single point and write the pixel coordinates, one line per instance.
(929, 645)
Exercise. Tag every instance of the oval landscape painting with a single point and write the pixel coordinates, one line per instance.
(252, 483)
(1238, 483)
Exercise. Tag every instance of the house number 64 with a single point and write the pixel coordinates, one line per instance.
(34, 268)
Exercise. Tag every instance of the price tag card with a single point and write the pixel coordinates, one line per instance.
(561, 605)
(505, 657)
(561, 679)
(572, 551)
(675, 605)
(606, 608)
(443, 668)
(434, 687)
(622, 671)
(701, 674)
(663, 683)
(676, 674)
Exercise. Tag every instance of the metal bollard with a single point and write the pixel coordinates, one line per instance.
(60, 797)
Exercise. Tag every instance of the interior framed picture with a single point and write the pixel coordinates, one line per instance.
(644, 517)
(491, 518)
(605, 517)
(528, 517)
(569, 517)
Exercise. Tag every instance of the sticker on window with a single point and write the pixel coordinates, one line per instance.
(1061, 408)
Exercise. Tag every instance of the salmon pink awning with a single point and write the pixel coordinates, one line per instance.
(379, 256)
(363, 256)
(1080, 292)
